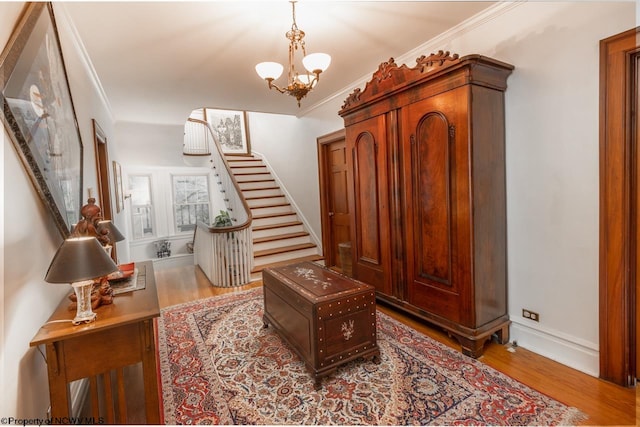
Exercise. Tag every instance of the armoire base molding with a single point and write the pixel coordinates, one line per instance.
(471, 340)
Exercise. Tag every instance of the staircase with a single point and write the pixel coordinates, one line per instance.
(279, 237)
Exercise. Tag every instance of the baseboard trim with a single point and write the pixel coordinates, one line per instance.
(572, 352)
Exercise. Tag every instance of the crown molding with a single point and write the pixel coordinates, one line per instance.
(62, 12)
(433, 45)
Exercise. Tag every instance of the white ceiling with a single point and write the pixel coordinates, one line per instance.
(157, 61)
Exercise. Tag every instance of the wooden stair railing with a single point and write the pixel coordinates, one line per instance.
(225, 254)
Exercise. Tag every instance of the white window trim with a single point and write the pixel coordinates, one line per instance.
(206, 174)
(153, 208)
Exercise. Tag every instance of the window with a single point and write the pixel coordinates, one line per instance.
(141, 206)
(190, 201)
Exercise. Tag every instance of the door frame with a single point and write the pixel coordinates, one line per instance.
(102, 170)
(324, 142)
(618, 142)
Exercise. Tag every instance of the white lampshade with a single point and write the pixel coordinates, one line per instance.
(305, 79)
(269, 70)
(316, 61)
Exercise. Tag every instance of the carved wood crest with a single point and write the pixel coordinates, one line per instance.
(389, 76)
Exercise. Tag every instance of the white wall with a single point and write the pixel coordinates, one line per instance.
(289, 146)
(552, 110)
(150, 144)
(552, 161)
(30, 239)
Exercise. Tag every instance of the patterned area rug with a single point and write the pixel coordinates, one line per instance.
(220, 366)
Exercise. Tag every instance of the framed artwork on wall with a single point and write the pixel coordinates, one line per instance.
(117, 178)
(230, 128)
(38, 113)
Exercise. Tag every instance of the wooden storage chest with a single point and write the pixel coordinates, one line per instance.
(327, 318)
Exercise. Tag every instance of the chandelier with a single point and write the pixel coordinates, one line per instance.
(298, 84)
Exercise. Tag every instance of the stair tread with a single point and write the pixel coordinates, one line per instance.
(280, 237)
(278, 225)
(283, 249)
(273, 215)
(259, 268)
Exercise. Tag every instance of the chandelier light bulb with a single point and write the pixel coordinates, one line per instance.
(305, 79)
(316, 61)
(269, 70)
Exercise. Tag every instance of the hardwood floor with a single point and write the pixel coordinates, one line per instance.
(605, 403)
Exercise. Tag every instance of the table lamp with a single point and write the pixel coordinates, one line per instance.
(113, 234)
(78, 261)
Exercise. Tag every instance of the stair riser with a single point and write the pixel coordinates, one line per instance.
(276, 231)
(256, 169)
(271, 210)
(262, 193)
(256, 185)
(243, 157)
(281, 243)
(252, 163)
(253, 177)
(268, 201)
(268, 259)
(274, 220)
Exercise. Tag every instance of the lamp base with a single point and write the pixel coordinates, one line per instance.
(84, 314)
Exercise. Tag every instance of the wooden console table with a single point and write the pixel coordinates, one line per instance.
(122, 335)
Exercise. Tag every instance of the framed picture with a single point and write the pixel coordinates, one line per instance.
(230, 127)
(117, 178)
(39, 116)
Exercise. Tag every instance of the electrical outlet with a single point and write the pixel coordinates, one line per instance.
(528, 314)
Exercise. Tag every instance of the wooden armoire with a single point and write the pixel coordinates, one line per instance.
(426, 191)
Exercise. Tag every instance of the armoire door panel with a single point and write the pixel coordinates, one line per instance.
(435, 166)
(367, 189)
(432, 199)
(366, 145)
